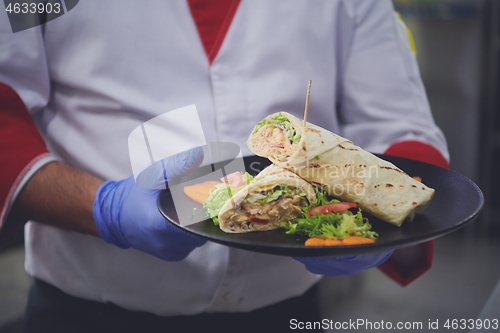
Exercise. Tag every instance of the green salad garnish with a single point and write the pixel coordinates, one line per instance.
(332, 225)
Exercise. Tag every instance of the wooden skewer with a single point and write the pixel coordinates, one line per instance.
(306, 110)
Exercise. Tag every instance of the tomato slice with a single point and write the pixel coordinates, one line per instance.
(257, 220)
(331, 208)
(234, 179)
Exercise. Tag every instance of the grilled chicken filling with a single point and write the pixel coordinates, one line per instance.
(272, 139)
(256, 215)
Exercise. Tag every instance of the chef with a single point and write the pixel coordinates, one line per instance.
(72, 90)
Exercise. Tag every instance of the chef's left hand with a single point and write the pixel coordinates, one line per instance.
(336, 266)
(126, 214)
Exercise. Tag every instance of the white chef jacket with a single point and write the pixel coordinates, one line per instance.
(94, 74)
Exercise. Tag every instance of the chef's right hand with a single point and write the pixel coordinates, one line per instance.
(126, 214)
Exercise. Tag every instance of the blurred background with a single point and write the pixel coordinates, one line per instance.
(457, 43)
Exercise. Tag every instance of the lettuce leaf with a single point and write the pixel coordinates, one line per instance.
(274, 194)
(293, 135)
(332, 225)
(222, 193)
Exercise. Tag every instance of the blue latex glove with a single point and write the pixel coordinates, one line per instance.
(336, 266)
(126, 214)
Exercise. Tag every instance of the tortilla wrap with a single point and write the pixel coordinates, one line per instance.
(346, 171)
(234, 215)
(314, 141)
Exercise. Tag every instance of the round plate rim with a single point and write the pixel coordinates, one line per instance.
(342, 250)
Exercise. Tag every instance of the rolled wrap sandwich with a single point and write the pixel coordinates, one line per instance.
(275, 196)
(344, 170)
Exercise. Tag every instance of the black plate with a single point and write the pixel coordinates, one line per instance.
(457, 202)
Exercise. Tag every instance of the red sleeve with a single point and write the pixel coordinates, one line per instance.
(21, 145)
(399, 266)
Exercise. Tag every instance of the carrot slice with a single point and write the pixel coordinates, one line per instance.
(197, 193)
(315, 241)
(352, 240)
(333, 242)
(418, 179)
(200, 192)
(209, 184)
